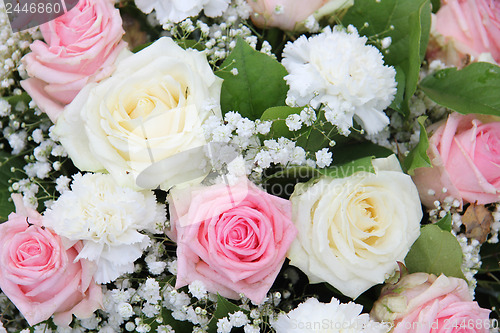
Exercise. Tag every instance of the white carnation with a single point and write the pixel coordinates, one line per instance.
(338, 70)
(107, 218)
(313, 316)
(178, 10)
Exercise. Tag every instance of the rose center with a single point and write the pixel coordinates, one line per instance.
(143, 108)
(28, 250)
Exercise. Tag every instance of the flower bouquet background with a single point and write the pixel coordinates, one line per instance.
(251, 166)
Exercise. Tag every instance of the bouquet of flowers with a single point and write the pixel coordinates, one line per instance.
(250, 166)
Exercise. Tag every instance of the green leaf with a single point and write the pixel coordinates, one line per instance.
(190, 44)
(437, 252)
(445, 223)
(343, 153)
(436, 4)
(473, 89)
(407, 23)
(349, 168)
(397, 102)
(224, 307)
(140, 47)
(278, 115)
(418, 158)
(258, 85)
(7, 162)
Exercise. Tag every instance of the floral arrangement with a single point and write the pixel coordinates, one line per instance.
(251, 166)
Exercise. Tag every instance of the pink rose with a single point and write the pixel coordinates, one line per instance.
(80, 46)
(465, 154)
(285, 14)
(37, 272)
(421, 303)
(232, 238)
(466, 27)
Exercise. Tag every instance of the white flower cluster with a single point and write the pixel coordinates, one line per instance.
(218, 39)
(336, 70)
(42, 154)
(244, 133)
(12, 48)
(175, 11)
(107, 218)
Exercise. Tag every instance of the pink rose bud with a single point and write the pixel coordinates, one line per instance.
(38, 273)
(286, 14)
(233, 238)
(421, 302)
(465, 154)
(463, 28)
(80, 46)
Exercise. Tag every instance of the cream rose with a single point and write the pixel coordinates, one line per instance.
(354, 230)
(149, 110)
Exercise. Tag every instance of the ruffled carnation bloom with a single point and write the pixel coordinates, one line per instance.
(462, 29)
(354, 230)
(422, 302)
(107, 219)
(338, 70)
(178, 10)
(312, 316)
(286, 14)
(462, 145)
(232, 238)
(80, 46)
(40, 272)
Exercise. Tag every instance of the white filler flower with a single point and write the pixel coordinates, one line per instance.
(338, 70)
(313, 316)
(178, 10)
(107, 218)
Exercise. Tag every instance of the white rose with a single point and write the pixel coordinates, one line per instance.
(354, 230)
(150, 109)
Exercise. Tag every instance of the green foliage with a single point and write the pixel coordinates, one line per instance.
(474, 89)
(224, 307)
(7, 162)
(258, 85)
(437, 252)
(343, 153)
(278, 115)
(349, 168)
(445, 223)
(418, 158)
(408, 24)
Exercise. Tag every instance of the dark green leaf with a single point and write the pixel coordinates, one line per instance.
(436, 4)
(140, 47)
(407, 23)
(258, 86)
(224, 307)
(474, 89)
(435, 252)
(343, 153)
(418, 158)
(397, 103)
(445, 223)
(349, 168)
(6, 206)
